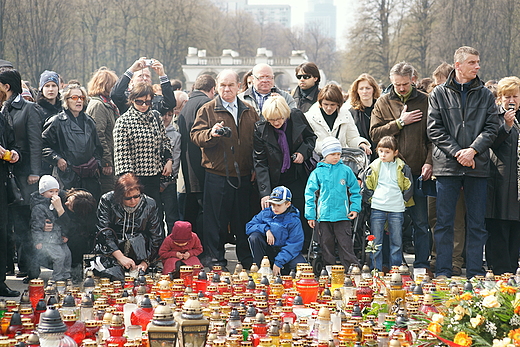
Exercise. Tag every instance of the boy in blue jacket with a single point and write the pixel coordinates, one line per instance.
(334, 181)
(278, 233)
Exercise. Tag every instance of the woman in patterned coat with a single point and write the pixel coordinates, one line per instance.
(140, 143)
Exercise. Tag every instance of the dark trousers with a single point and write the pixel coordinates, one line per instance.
(193, 213)
(260, 248)
(421, 233)
(152, 186)
(20, 217)
(340, 234)
(475, 191)
(170, 205)
(502, 245)
(226, 206)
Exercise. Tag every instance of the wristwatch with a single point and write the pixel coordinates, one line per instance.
(401, 122)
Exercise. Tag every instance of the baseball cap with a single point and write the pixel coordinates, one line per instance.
(279, 195)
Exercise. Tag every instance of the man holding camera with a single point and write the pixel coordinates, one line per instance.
(224, 131)
(262, 88)
(139, 72)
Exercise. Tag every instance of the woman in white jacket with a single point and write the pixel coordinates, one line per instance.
(328, 118)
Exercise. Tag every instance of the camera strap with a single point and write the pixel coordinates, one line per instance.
(237, 170)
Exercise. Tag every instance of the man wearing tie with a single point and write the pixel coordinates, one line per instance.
(224, 131)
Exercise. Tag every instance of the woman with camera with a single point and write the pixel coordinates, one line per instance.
(140, 143)
(283, 140)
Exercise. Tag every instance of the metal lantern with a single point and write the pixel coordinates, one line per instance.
(193, 326)
(162, 330)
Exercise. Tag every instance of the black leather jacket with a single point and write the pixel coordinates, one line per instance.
(267, 155)
(144, 220)
(28, 134)
(452, 128)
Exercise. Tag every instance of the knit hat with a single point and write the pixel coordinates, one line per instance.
(5, 63)
(49, 76)
(279, 195)
(181, 231)
(47, 182)
(330, 145)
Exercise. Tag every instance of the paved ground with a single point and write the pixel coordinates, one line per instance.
(17, 284)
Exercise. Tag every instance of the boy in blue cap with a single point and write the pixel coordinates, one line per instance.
(277, 232)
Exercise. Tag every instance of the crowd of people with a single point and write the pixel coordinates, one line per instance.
(138, 173)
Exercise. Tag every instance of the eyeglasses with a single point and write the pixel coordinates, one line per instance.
(265, 78)
(128, 198)
(142, 102)
(76, 97)
(305, 77)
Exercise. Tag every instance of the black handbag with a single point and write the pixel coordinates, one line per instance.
(134, 247)
(14, 194)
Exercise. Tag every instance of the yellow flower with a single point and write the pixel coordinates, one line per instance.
(466, 296)
(515, 335)
(462, 339)
(476, 321)
(490, 302)
(507, 289)
(434, 328)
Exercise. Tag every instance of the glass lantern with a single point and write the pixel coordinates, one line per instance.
(193, 326)
(162, 330)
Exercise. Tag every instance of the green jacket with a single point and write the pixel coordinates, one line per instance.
(404, 180)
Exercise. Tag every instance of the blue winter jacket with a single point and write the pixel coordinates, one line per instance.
(334, 183)
(287, 231)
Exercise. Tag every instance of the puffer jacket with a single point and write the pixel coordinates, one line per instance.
(40, 211)
(412, 141)
(404, 180)
(219, 153)
(268, 156)
(144, 220)
(286, 229)
(335, 183)
(451, 128)
(344, 128)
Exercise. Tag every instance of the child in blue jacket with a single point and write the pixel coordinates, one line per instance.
(334, 210)
(278, 233)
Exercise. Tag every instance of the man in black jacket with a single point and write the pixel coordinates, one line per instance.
(462, 125)
(306, 94)
(139, 72)
(191, 156)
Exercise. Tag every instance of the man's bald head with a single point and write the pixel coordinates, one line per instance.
(263, 78)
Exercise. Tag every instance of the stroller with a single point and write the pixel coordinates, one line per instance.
(358, 161)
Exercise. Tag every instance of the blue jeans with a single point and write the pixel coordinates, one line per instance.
(475, 190)
(421, 234)
(395, 229)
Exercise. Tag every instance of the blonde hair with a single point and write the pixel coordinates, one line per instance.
(355, 100)
(276, 107)
(67, 91)
(508, 85)
(101, 82)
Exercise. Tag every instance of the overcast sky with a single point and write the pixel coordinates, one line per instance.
(344, 18)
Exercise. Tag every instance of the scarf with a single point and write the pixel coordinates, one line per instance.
(109, 101)
(6, 109)
(284, 146)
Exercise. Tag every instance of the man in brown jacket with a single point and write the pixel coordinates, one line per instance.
(224, 131)
(402, 113)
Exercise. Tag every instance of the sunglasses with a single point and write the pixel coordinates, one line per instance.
(142, 102)
(305, 77)
(128, 198)
(76, 97)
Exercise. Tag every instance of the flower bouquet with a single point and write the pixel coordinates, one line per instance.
(487, 318)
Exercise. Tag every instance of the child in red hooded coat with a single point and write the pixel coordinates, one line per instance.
(181, 247)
